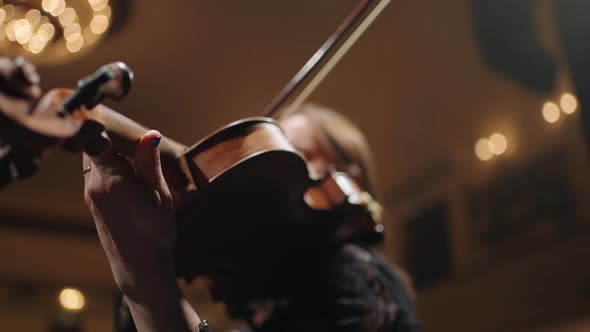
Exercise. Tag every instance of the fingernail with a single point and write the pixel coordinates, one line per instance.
(156, 141)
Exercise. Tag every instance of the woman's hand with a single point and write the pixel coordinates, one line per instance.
(133, 213)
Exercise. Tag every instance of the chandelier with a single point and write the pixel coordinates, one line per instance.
(50, 31)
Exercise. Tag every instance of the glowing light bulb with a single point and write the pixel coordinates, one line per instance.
(33, 16)
(9, 10)
(59, 9)
(49, 5)
(46, 31)
(106, 12)
(551, 112)
(23, 31)
(498, 144)
(37, 44)
(568, 103)
(76, 43)
(60, 27)
(99, 24)
(10, 31)
(99, 5)
(71, 299)
(483, 150)
(72, 31)
(68, 16)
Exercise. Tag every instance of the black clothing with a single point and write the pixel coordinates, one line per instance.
(355, 291)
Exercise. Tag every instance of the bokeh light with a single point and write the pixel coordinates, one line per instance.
(483, 150)
(551, 112)
(498, 143)
(54, 29)
(71, 299)
(568, 103)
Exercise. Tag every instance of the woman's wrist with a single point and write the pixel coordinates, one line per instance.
(144, 286)
(163, 307)
(144, 276)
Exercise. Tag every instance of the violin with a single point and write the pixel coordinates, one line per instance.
(244, 184)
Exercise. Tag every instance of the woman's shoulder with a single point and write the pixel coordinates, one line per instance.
(356, 259)
(373, 292)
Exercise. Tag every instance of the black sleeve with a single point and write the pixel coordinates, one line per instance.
(368, 296)
(358, 292)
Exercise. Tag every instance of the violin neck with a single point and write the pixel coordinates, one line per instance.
(124, 133)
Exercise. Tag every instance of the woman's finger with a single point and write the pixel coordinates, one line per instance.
(148, 165)
(104, 173)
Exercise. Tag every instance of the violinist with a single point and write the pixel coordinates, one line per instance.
(347, 289)
(320, 287)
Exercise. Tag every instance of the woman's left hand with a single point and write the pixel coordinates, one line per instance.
(133, 213)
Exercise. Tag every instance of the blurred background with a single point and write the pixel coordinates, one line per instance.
(474, 110)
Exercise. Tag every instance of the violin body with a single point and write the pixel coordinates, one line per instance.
(255, 197)
(251, 184)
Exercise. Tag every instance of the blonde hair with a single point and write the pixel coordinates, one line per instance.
(345, 141)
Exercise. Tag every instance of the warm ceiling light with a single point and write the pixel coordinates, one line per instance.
(9, 11)
(23, 31)
(551, 112)
(568, 103)
(99, 24)
(49, 30)
(68, 16)
(483, 150)
(49, 5)
(71, 299)
(59, 8)
(498, 144)
(33, 16)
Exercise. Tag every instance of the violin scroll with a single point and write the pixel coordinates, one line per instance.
(19, 90)
(113, 80)
(30, 125)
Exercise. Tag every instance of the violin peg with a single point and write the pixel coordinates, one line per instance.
(113, 80)
(118, 87)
